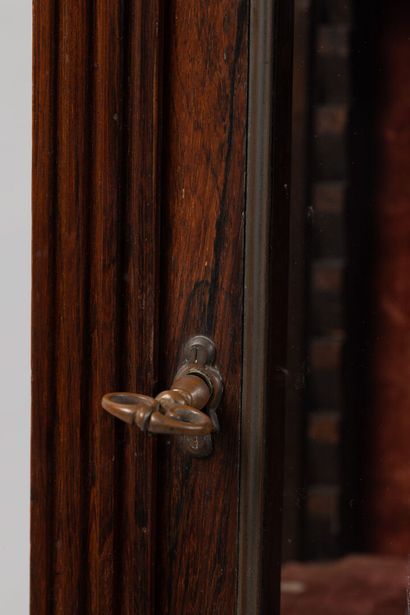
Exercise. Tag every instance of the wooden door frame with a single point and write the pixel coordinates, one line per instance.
(66, 103)
(265, 305)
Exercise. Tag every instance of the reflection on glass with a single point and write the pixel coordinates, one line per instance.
(346, 536)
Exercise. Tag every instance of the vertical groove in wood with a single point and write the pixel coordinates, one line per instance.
(45, 55)
(140, 287)
(71, 271)
(104, 307)
(95, 302)
(86, 361)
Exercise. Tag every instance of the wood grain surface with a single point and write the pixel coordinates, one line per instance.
(139, 171)
(96, 247)
(201, 292)
(95, 280)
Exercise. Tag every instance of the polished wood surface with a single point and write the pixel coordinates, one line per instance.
(139, 203)
(201, 290)
(95, 263)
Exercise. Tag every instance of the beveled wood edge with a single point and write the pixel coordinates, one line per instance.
(262, 152)
(258, 191)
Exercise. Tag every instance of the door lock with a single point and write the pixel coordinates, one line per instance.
(187, 410)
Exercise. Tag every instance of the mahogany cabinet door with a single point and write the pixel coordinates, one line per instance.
(160, 211)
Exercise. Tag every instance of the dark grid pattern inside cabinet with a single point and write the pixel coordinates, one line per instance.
(326, 326)
(313, 449)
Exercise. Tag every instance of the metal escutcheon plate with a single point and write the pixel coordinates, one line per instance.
(199, 359)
